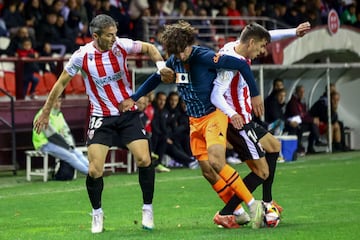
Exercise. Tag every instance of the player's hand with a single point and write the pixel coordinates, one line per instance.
(126, 105)
(257, 105)
(237, 121)
(41, 122)
(302, 29)
(167, 75)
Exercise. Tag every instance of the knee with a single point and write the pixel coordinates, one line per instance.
(262, 173)
(143, 160)
(95, 171)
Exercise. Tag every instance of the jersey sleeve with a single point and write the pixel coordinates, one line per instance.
(129, 45)
(279, 34)
(75, 62)
(218, 61)
(221, 84)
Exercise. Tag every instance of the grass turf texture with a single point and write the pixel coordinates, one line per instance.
(320, 195)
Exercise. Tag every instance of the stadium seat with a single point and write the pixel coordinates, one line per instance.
(49, 79)
(69, 89)
(41, 88)
(2, 86)
(78, 85)
(10, 82)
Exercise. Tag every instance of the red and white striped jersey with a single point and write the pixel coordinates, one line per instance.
(107, 79)
(234, 88)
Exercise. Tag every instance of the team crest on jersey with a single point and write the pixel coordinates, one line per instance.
(116, 51)
(91, 56)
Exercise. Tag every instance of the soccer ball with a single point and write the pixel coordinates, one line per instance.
(271, 216)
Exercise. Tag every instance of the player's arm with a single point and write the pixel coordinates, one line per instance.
(221, 84)
(299, 31)
(167, 74)
(150, 84)
(43, 120)
(218, 61)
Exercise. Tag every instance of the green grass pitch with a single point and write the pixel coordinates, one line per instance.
(320, 195)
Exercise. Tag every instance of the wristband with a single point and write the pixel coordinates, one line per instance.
(160, 65)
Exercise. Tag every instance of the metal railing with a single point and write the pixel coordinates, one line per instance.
(208, 27)
(11, 125)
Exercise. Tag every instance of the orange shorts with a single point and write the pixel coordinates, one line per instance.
(207, 131)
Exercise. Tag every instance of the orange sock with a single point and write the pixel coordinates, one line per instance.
(232, 178)
(223, 190)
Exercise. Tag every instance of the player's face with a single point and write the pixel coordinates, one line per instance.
(256, 48)
(184, 55)
(106, 40)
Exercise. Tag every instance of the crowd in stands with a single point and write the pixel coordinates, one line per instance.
(61, 22)
(167, 126)
(295, 118)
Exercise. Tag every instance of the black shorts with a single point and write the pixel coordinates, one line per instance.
(116, 130)
(246, 141)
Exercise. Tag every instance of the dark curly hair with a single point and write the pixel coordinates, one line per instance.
(176, 37)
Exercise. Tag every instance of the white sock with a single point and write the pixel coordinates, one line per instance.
(147, 207)
(239, 211)
(97, 211)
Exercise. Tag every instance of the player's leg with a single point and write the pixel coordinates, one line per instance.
(272, 148)
(99, 138)
(199, 150)
(133, 136)
(140, 150)
(95, 184)
(216, 146)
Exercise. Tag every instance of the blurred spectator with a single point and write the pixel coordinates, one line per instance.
(92, 8)
(349, 15)
(15, 42)
(159, 138)
(13, 15)
(48, 32)
(75, 16)
(205, 29)
(277, 84)
(299, 120)
(178, 132)
(320, 110)
(121, 15)
(221, 23)
(274, 112)
(26, 51)
(33, 13)
(67, 34)
(3, 30)
(181, 9)
(236, 23)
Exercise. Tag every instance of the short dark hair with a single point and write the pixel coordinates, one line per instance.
(256, 31)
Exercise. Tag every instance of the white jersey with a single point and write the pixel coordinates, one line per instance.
(107, 79)
(234, 88)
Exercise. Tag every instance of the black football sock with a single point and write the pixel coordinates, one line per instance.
(252, 181)
(94, 188)
(271, 159)
(147, 183)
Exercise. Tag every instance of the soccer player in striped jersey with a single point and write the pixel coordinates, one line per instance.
(254, 144)
(103, 65)
(195, 69)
